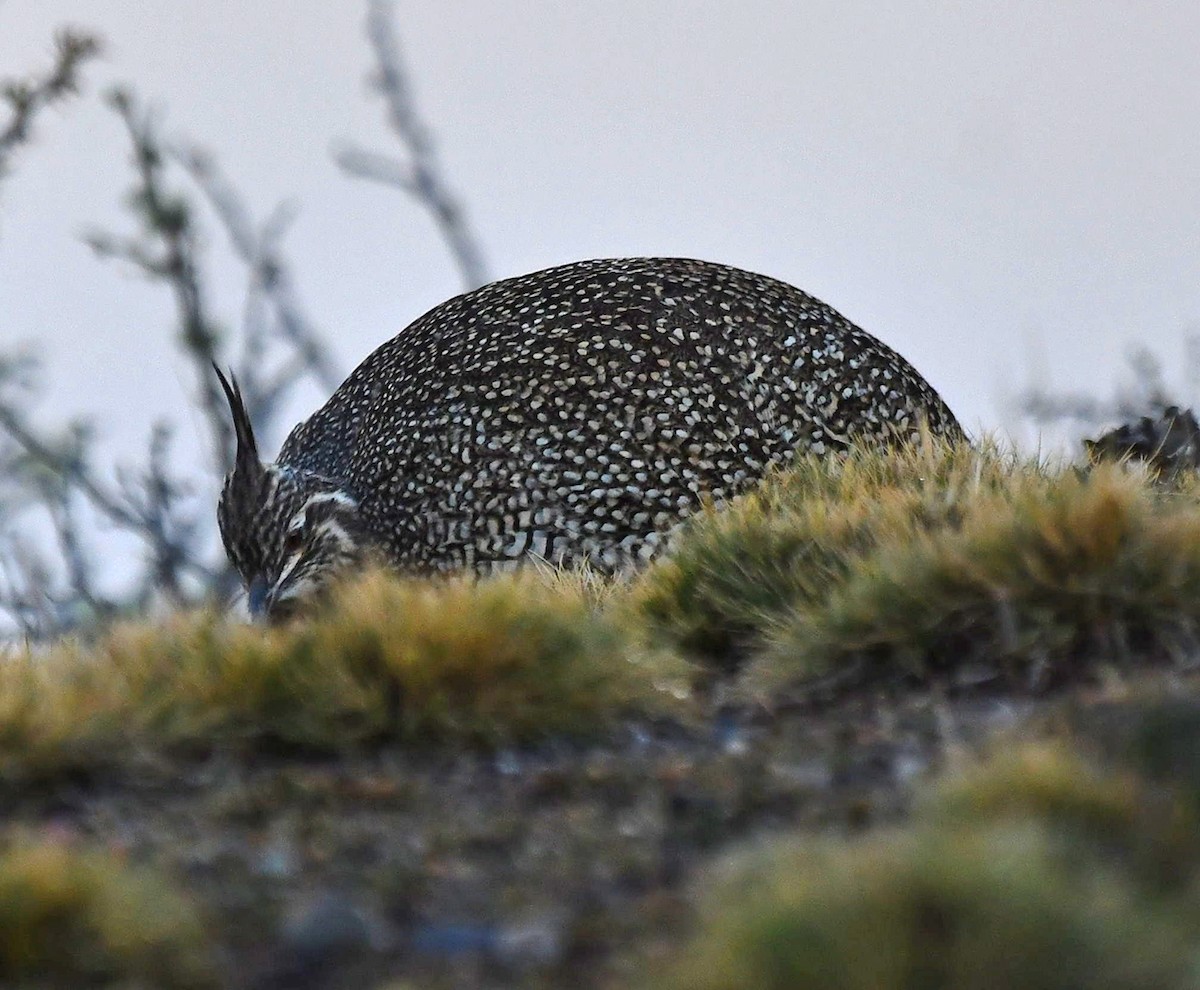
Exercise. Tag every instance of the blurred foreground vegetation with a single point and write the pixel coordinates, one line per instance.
(918, 719)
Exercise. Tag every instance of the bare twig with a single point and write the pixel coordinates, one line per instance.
(155, 499)
(67, 463)
(24, 590)
(79, 566)
(421, 177)
(1148, 394)
(166, 249)
(258, 247)
(56, 473)
(26, 98)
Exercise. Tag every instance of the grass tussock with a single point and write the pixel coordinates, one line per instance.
(83, 917)
(957, 564)
(1008, 879)
(492, 662)
(735, 571)
(1036, 583)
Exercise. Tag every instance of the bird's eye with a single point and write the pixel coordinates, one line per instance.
(293, 542)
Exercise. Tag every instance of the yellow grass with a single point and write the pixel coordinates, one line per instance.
(961, 565)
(490, 662)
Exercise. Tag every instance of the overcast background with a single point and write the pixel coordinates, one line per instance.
(1005, 192)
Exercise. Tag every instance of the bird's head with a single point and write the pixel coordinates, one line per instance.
(287, 532)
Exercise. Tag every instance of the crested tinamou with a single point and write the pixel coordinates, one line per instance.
(574, 414)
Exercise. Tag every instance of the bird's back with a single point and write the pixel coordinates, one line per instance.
(581, 411)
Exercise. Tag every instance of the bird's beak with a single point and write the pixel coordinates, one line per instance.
(257, 598)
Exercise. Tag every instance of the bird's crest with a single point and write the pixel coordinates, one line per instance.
(247, 468)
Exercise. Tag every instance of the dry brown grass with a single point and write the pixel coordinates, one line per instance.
(958, 565)
(490, 662)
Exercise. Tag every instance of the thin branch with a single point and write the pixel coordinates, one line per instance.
(66, 465)
(384, 169)
(70, 544)
(26, 98)
(166, 249)
(151, 504)
(422, 177)
(270, 275)
(154, 497)
(1147, 394)
(24, 590)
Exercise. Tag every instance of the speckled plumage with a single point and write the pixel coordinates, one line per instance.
(580, 412)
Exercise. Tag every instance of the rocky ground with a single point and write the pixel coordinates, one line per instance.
(561, 865)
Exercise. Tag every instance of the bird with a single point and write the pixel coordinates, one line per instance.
(1168, 442)
(576, 414)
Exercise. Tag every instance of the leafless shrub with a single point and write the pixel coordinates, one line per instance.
(421, 175)
(52, 492)
(1146, 392)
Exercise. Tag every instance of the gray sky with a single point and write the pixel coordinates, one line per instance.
(997, 190)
